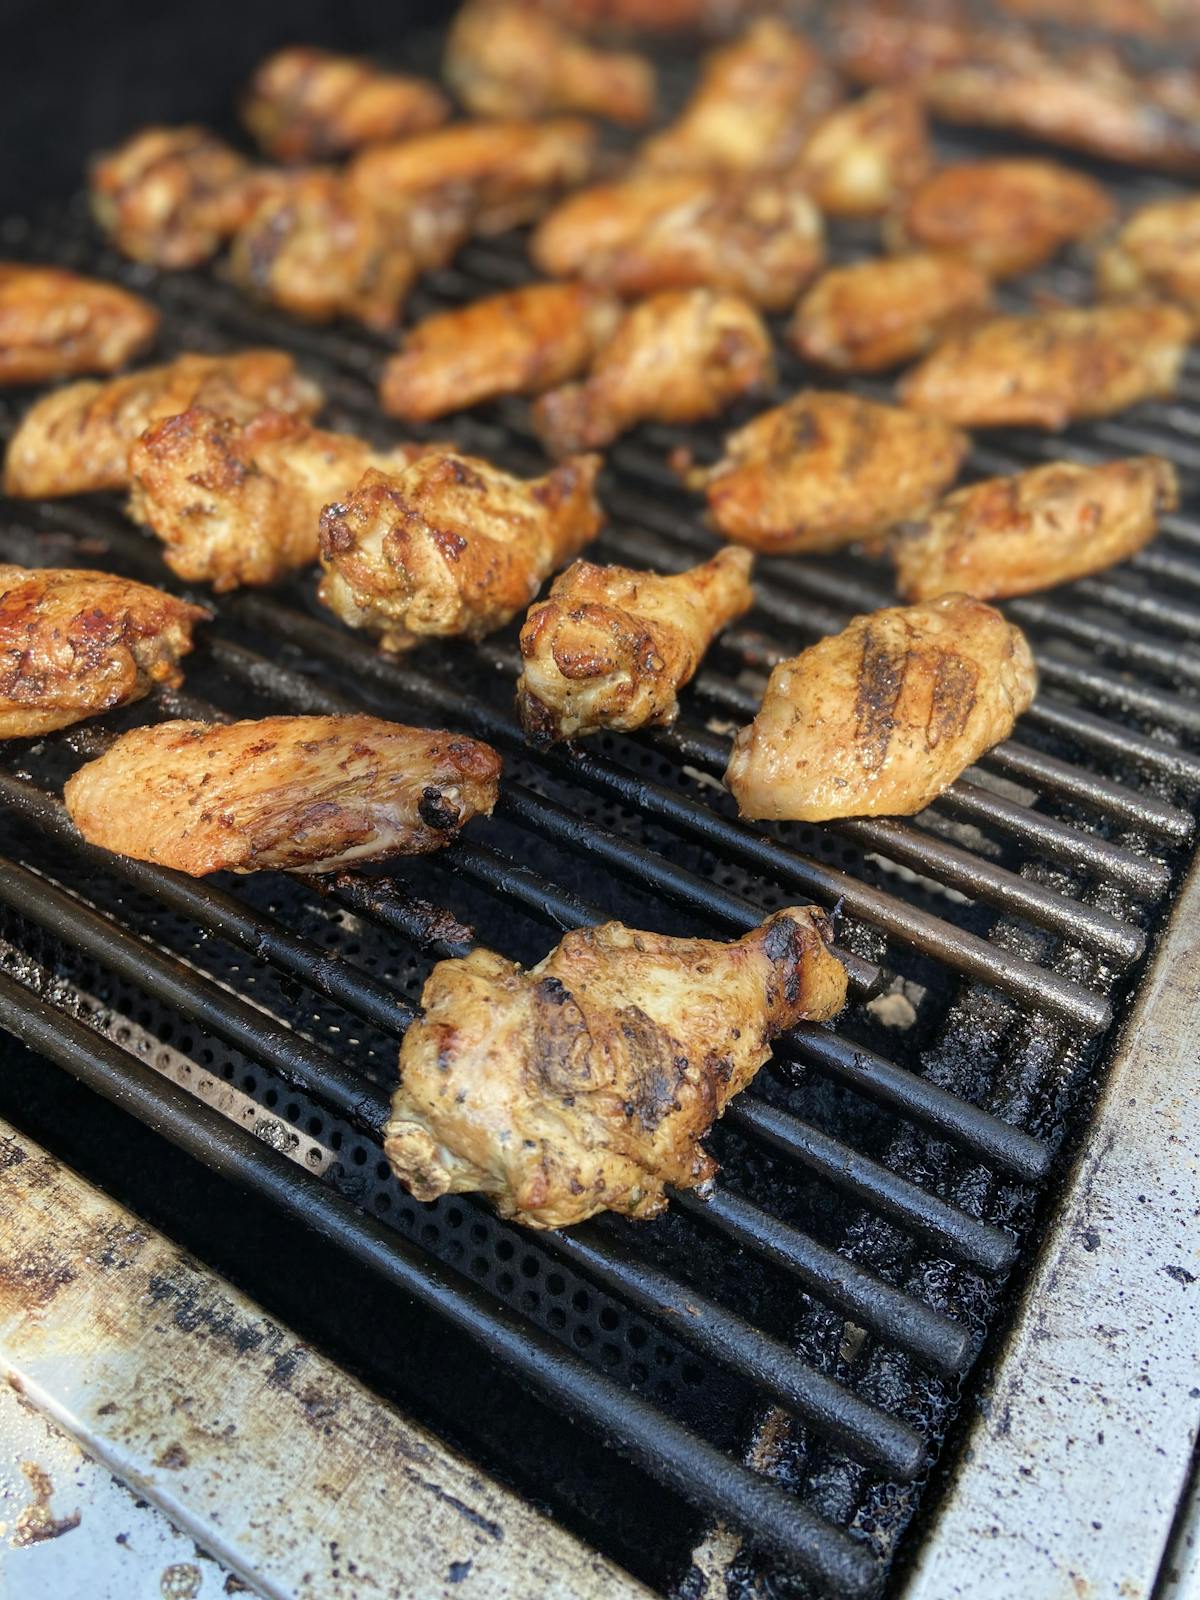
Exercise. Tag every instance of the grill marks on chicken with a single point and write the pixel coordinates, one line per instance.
(611, 647)
(296, 794)
(679, 356)
(451, 545)
(588, 1082)
(880, 718)
(862, 158)
(78, 439)
(74, 644)
(1155, 255)
(58, 324)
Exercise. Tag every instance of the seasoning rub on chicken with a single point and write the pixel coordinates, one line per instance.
(587, 1083)
(74, 644)
(880, 718)
(1156, 255)
(293, 794)
(862, 158)
(611, 647)
(58, 324)
(451, 545)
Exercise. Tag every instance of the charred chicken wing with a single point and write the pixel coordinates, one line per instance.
(588, 1082)
(76, 440)
(294, 794)
(880, 718)
(1156, 254)
(678, 357)
(451, 545)
(74, 644)
(611, 647)
(56, 324)
(862, 158)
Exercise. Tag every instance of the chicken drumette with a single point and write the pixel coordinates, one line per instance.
(57, 324)
(588, 1082)
(862, 158)
(1156, 255)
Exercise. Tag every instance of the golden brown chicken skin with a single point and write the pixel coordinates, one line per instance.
(897, 41)
(305, 104)
(861, 158)
(1156, 255)
(588, 1082)
(506, 58)
(1051, 525)
(74, 644)
(451, 545)
(58, 324)
(761, 238)
(290, 794)
(1042, 371)
(611, 646)
(1004, 216)
(878, 313)
(825, 470)
(77, 440)
(521, 342)
(877, 720)
(679, 356)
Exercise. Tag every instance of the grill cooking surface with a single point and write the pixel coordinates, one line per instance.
(817, 1313)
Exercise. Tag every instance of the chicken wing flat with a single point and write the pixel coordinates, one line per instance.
(451, 545)
(757, 99)
(305, 104)
(240, 503)
(57, 324)
(679, 356)
(1042, 371)
(1004, 216)
(77, 440)
(588, 1082)
(1156, 255)
(611, 647)
(685, 230)
(825, 470)
(880, 718)
(1053, 524)
(506, 58)
(521, 342)
(291, 794)
(879, 313)
(74, 644)
(861, 158)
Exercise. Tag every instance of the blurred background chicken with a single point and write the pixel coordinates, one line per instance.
(58, 324)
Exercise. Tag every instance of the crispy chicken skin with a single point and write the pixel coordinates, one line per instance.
(1004, 216)
(1042, 371)
(679, 356)
(588, 1082)
(877, 313)
(611, 647)
(761, 238)
(74, 644)
(877, 720)
(521, 342)
(862, 157)
(757, 99)
(305, 104)
(505, 58)
(827, 469)
(57, 324)
(240, 503)
(451, 545)
(1050, 525)
(1155, 255)
(77, 440)
(293, 794)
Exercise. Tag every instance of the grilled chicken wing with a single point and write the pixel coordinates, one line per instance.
(57, 324)
(240, 503)
(825, 470)
(587, 1083)
(505, 58)
(293, 794)
(1156, 254)
(762, 238)
(76, 440)
(879, 313)
(1041, 371)
(898, 41)
(521, 342)
(305, 104)
(880, 718)
(74, 644)
(678, 357)
(1005, 216)
(1050, 525)
(611, 647)
(862, 157)
(451, 545)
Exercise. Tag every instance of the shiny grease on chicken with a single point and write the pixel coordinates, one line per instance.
(59, 324)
